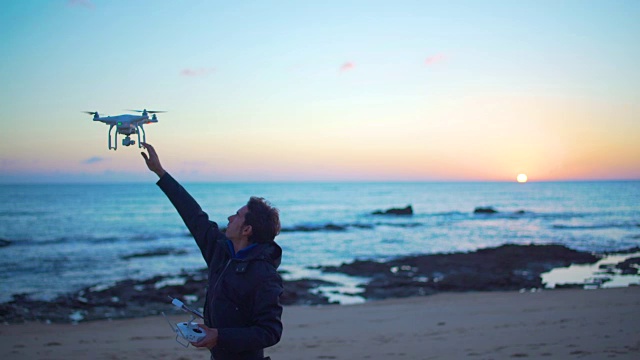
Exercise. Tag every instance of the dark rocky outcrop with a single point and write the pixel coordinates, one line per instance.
(508, 267)
(635, 249)
(310, 228)
(298, 292)
(485, 210)
(157, 252)
(395, 211)
(629, 266)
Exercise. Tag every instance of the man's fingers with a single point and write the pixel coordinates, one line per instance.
(198, 344)
(152, 152)
(146, 158)
(150, 149)
(201, 343)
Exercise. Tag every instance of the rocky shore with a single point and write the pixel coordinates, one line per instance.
(508, 267)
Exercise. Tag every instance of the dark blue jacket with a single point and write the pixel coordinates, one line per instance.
(243, 292)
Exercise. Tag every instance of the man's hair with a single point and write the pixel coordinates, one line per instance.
(264, 220)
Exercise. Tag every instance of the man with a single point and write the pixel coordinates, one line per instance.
(242, 310)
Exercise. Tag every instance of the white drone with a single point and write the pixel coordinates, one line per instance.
(127, 125)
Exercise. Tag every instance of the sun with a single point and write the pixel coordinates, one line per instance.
(522, 178)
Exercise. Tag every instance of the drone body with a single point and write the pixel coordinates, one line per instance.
(127, 125)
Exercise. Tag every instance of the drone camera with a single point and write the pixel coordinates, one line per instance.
(127, 141)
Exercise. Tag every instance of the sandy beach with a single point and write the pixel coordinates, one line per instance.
(552, 324)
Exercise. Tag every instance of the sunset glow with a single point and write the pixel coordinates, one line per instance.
(312, 91)
(522, 178)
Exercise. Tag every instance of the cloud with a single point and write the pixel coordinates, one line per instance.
(81, 3)
(431, 60)
(200, 72)
(94, 160)
(347, 66)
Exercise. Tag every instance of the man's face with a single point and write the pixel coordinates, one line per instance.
(236, 228)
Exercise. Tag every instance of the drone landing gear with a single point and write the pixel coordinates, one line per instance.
(127, 140)
(115, 147)
(144, 135)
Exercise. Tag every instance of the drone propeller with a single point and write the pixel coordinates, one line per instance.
(148, 111)
(90, 112)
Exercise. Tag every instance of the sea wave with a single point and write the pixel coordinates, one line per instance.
(526, 214)
(597, 226)
(22, 213)
(427, 219)
(494, 213)
(329, 227)
(92, 239)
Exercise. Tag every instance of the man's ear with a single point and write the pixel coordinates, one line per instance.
(247, 230)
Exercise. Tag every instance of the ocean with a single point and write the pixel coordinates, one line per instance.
(60, 238)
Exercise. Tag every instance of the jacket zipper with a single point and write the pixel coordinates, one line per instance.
(215, 286)
(212, 292)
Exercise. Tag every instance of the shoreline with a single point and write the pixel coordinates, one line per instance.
(550, 324)
(505, 268)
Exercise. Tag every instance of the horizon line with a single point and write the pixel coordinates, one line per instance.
(228, 182)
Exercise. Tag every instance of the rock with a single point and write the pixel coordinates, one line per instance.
(629, 266)
(569, 286)
(359, 268)
(4, 242)
(395, 211)
(297, 292)
(157, 252)
(485, 210)
(632, 250)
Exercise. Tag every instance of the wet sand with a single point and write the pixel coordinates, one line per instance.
(558, 324)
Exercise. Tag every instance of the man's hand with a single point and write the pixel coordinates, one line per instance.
(153, 162)
(210, 340)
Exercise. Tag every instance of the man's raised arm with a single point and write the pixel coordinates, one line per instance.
(205, 232)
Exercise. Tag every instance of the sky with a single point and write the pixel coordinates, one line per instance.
(323, 90)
